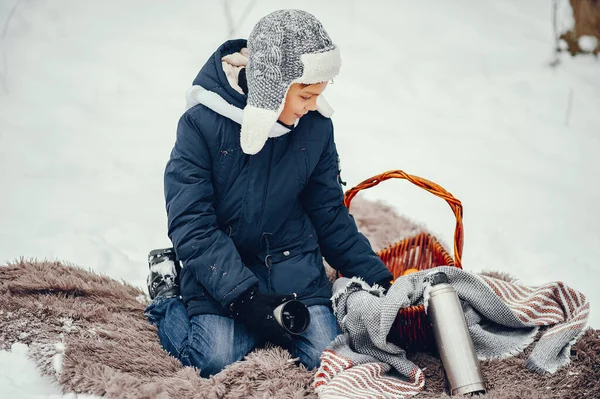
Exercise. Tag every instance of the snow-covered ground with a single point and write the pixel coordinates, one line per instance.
(458, 92)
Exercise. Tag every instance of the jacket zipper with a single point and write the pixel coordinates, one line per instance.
(266, 189)
(268, 257)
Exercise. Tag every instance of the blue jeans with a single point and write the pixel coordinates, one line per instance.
(210, 342)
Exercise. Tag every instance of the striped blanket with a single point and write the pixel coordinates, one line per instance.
(503, 319)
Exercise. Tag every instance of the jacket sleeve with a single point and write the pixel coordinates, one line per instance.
(343, 246)
(192, 223)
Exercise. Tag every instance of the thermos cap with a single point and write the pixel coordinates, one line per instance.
(439, 278)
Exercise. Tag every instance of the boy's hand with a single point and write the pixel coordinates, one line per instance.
(255, 309)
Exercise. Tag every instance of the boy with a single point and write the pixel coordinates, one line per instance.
(251, 210)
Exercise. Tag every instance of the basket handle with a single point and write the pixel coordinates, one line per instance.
(425, 184)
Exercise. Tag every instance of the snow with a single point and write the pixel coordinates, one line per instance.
(57, 359)
(164, 268)
(588, 43)
(460, 93)
(19, 377)
(564, 15)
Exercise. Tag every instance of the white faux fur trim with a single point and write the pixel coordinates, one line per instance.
(199, 95)
(232, 72)
(320, 67)
(232, 64)
(238, 59)
(255, 128)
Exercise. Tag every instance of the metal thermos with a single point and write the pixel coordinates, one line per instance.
(293, 316)
(452, 338)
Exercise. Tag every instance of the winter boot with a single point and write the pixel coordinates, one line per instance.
(163, 279)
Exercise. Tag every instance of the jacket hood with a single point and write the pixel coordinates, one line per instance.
(212, 89)
(212, 77)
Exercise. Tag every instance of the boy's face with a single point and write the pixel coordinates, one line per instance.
(299, 100)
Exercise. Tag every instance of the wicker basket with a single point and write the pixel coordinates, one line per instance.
(411, 329)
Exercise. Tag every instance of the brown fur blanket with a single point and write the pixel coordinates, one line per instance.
(88, 332)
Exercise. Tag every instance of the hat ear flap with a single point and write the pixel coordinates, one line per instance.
(323, 107)
(256, 125)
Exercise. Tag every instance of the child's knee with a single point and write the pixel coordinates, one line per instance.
(211, 363)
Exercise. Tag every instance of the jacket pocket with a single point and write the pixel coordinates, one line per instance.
(300, 274)
(290, 233)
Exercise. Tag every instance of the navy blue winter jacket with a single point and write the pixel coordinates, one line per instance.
(237, 220)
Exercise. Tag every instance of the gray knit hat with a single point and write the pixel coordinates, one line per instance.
(285, 47)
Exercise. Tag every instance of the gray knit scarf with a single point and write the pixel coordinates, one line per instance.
(503, 319)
